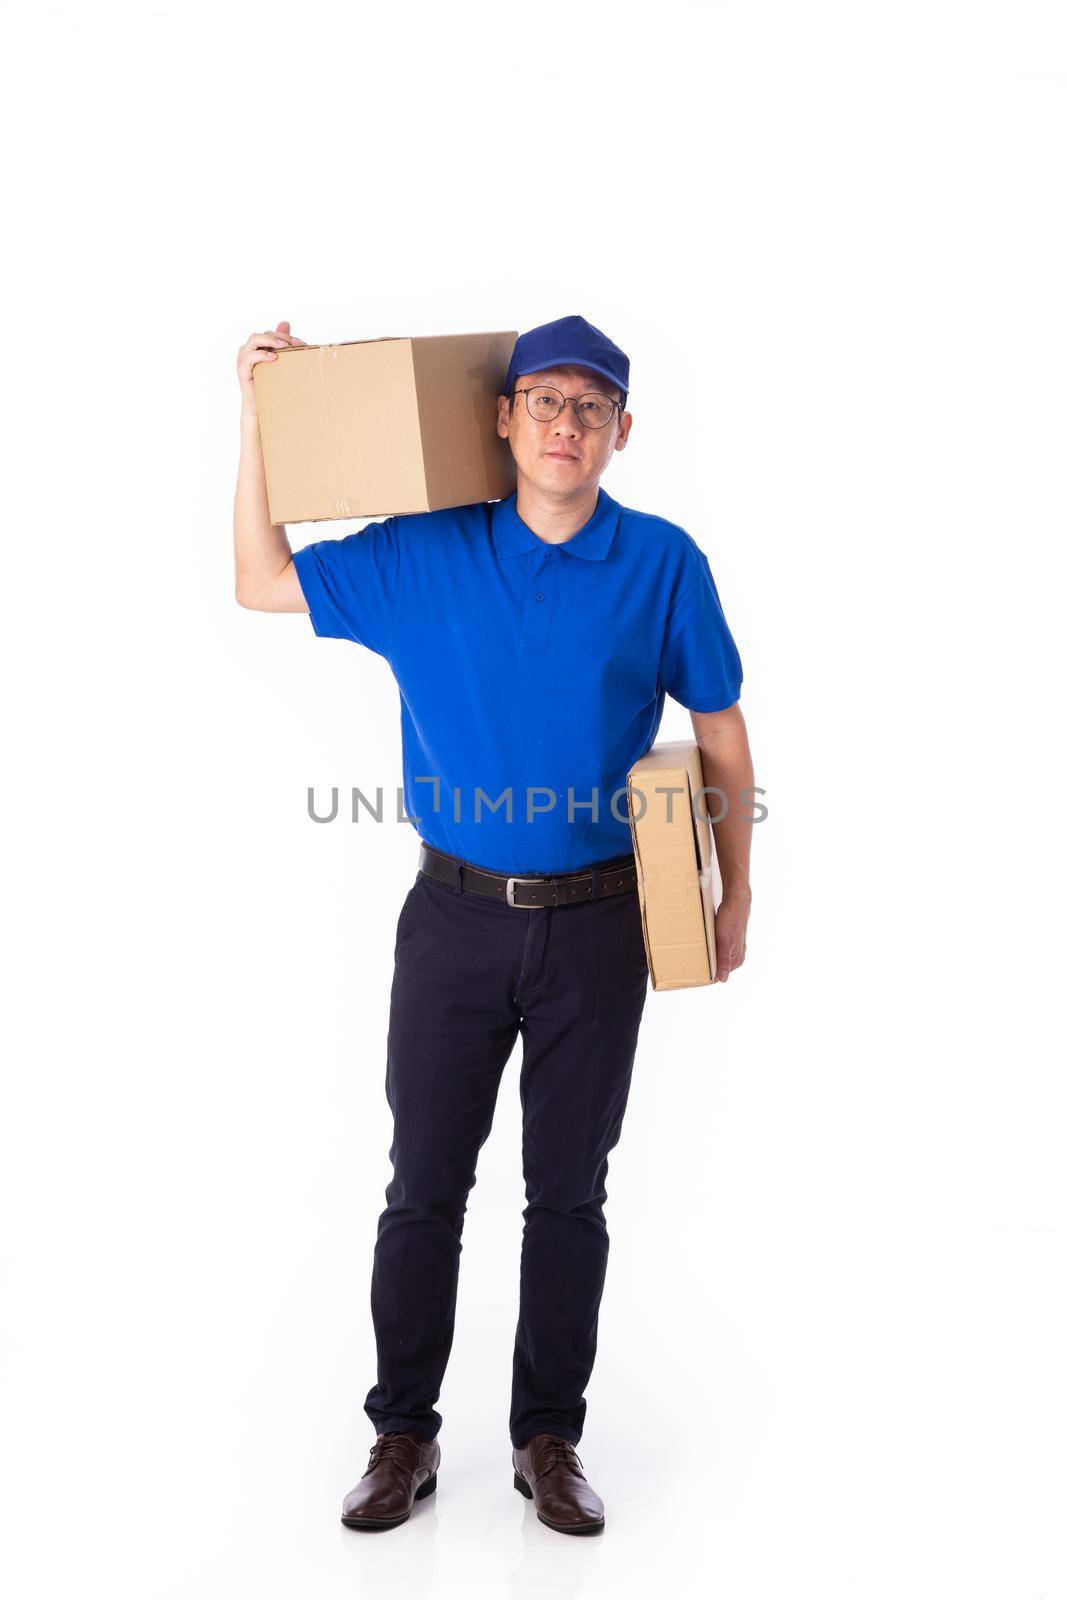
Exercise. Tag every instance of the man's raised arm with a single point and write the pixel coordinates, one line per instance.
(265, 578)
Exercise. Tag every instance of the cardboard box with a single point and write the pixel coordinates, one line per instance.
(377, 427)
(678, 879)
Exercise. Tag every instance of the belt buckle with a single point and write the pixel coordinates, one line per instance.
(509, 892)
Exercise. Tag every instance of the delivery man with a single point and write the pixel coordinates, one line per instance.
(533, 640)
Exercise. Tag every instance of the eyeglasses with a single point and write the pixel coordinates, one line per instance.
(592, 410)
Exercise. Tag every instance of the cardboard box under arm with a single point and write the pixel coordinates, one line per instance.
(382, 427)
(678, 878)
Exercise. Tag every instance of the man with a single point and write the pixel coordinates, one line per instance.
(533, 640)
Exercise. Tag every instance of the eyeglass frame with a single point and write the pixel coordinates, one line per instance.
(573, 399)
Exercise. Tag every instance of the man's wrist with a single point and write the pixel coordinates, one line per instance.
(737, 889)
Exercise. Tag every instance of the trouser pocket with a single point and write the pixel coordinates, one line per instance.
(403, 917)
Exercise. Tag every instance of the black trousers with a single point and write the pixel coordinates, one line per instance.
(470, 976)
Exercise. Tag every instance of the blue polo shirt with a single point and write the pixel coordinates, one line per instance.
(532, 676)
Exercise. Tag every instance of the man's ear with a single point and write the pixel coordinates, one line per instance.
(625, 424)
(503, 416)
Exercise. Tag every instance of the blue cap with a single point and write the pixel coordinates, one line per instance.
(569, 342)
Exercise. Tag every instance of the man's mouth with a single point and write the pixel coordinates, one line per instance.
(561, 455)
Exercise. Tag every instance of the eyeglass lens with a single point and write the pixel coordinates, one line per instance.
(545, 403)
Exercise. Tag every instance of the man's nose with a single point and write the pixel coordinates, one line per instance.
(567, 421)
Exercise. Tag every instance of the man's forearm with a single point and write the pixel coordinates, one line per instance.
(726, 761)
(733, 833)
(261, 548)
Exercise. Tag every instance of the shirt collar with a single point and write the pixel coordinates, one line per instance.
(511, 536)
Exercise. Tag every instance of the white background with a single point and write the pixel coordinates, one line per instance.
(832, 239)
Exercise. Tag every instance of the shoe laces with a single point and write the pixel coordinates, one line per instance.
(560, 1453)
(387, 1445)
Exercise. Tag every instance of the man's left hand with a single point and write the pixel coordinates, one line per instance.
(731, 925)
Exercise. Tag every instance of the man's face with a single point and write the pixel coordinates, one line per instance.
(561, 456)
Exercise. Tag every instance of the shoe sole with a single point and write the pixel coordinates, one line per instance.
(558, 1527)
(373, 1524)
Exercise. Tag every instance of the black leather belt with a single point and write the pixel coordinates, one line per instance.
(615, 876)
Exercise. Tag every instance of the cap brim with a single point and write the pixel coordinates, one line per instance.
(571, 361)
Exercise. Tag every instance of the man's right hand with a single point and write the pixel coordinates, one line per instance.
(261, 347)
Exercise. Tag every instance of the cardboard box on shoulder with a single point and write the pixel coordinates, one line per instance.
(678, 880)
(383, 427)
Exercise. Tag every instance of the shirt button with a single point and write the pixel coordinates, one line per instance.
(539, 595)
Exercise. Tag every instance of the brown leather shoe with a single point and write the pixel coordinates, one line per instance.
(549, 1472)
(402, 1469)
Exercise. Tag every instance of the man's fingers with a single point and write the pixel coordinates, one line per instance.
(729, 961)
(268, 340)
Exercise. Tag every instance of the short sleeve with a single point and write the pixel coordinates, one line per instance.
(350, 584)
(700, 666)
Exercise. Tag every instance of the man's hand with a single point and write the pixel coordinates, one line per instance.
(731, 927)
(261, 347)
